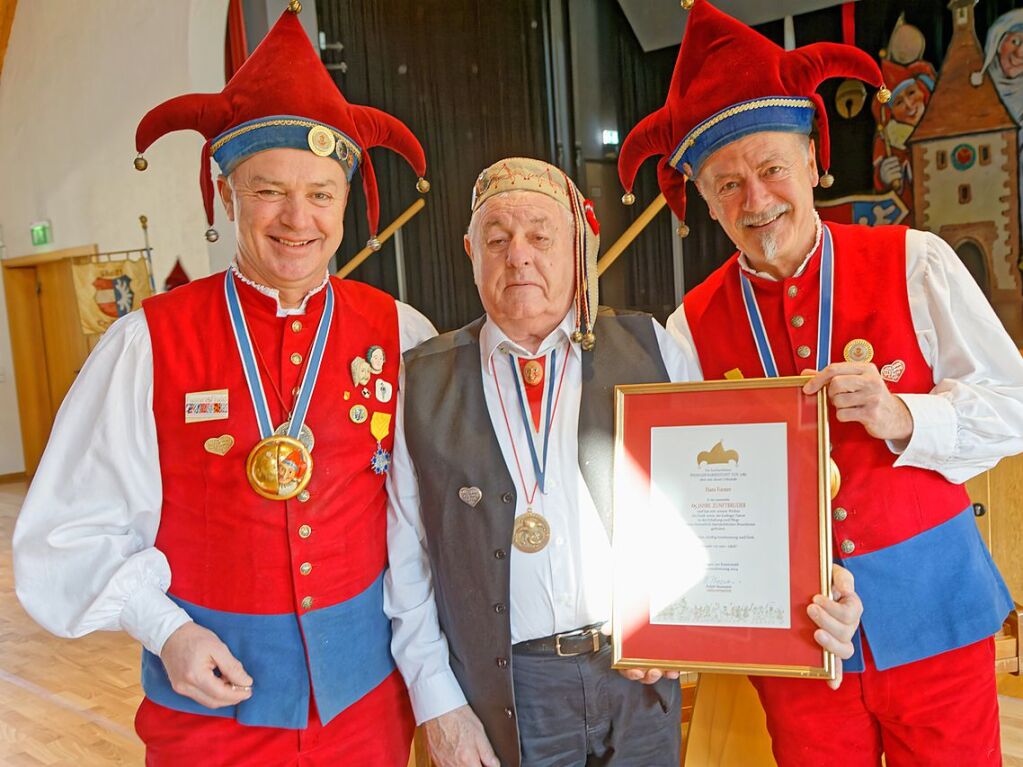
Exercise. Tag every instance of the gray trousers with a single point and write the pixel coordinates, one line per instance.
(579, 712)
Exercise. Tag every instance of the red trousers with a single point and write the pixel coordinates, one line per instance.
(376, 731)
(937, 712)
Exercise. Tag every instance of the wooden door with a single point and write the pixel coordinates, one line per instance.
(47, 342)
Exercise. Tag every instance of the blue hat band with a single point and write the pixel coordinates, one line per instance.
(284, 132)
(776, 113)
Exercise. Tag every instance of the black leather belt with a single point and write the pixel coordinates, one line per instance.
(579, 642)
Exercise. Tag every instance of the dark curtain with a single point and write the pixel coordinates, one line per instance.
(642, 84)
(469, 79)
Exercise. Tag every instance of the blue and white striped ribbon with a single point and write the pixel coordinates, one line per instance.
(824, 314)
(248, 359)
(539, 466)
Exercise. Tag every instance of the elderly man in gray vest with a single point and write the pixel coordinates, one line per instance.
(499, 533)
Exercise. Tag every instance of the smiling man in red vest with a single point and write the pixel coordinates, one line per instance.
(215, 481)
(926, 391)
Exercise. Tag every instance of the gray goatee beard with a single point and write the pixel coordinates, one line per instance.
(768, 240)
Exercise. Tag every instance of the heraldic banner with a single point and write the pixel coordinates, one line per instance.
(107, 290)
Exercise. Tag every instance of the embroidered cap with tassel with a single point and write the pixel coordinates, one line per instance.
(522, 174)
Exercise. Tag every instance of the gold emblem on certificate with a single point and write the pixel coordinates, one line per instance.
(858, 350)
(279, 467)
(531, 532)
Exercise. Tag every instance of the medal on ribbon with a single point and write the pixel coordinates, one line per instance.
(380, 427)
(281, 464)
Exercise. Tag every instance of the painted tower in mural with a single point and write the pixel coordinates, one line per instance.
(965, 171)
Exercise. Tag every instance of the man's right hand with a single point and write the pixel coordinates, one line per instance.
(457, 739)
(190, 656)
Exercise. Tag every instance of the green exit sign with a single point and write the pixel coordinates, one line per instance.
(42, 234)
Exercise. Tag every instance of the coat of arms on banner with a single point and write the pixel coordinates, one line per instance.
(107, 290)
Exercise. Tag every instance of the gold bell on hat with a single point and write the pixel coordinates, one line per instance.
(212, 235)
(628, 198)
(827, 180)
(141, 163)
(884, 95)
(422, 185)
(294, 6)
(688, 4)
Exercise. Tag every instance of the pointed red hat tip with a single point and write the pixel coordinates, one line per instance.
(722, 64)
(283, 79)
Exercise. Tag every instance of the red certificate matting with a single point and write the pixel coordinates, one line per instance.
(800, 421)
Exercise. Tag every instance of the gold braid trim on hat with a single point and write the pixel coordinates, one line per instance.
(352, 148)
(710, 122)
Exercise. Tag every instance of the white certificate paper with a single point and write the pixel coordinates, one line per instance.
(719, 514)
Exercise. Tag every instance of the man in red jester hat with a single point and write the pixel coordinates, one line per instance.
(925, 386)
(215, 481)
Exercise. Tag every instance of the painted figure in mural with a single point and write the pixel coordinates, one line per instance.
(251, 574)
(918, 370)
(1003, 59)
(912, 81)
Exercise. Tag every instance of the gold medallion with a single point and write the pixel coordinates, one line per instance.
(532, 373)
(358, 414)
(858, 350)
(531, 532)
(321, 140)
(836, 478)
(279, 467)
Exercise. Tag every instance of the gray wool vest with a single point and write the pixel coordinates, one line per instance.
(451, 440)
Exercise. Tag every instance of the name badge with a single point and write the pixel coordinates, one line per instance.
(203, 406)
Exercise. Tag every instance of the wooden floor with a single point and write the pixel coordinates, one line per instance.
(72, 702)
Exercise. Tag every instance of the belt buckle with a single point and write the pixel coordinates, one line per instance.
(594, 634)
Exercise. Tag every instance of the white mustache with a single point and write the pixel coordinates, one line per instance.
(766, 216)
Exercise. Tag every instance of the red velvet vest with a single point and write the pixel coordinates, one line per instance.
(878, 505)
(228, 548)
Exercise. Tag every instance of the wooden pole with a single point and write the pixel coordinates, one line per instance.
(630, 234)
(384, 236)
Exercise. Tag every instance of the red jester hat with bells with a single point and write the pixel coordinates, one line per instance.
(283, 97)
(729, 82)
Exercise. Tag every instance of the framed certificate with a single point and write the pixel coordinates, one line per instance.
(722, 526)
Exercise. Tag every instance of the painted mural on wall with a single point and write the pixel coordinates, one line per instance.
(911, 80)
(947, 151)
(965, 164)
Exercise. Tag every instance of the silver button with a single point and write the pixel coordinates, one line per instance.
(792, 291)
(307, 602)
(305, 568)
(803, 351)
(839, 514)
(303, 496)
(848, 547)
(305, 531)
(797, 321)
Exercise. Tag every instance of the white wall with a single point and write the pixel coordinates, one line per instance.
(78, 76)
